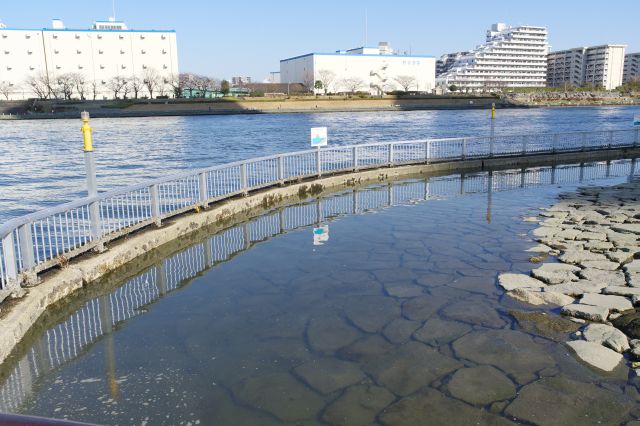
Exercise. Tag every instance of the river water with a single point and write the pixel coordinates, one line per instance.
(42, 162)
(370, 306)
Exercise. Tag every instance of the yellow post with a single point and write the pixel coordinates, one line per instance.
(493, 111)
(86, 131)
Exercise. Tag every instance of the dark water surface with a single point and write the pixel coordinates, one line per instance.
(41, 162)
(395, 319)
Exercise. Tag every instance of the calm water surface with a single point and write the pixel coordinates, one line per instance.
(395, 319)
(42, 162)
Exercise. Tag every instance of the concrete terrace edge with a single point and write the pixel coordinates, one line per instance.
(57, 285)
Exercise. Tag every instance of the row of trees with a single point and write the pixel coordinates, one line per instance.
(70, 85)
(327, 79)
(148, 85)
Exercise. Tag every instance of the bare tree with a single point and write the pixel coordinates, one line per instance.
(162, 86)
(353, 84)
(5, 89)
(137, 85)
(126, 87)
(94, 89)
(327, 77)
(39, 85)
(406, 81)
(151, 80)
(308, 82)
(177, 84)
(188, 82)
(80, 84)
(116, 84)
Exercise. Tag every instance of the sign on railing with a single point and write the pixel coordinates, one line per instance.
(50, 237)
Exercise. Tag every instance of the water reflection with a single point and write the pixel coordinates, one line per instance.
(42, 163)
(97, 318)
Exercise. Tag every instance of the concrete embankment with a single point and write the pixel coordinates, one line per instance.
(181, 107)
(20, 315)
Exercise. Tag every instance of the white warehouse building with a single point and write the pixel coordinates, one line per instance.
(32, 59)
(376, 70)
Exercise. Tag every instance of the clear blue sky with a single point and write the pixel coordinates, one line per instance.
(223, 39)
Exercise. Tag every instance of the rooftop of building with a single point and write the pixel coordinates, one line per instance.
(382, 50)
(109, 25)
(600, 46)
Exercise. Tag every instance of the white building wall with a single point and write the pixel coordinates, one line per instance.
(377, 73)
(99, 55)
(614, 66)
(21, 56)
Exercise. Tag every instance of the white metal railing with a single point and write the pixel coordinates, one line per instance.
(40, 240)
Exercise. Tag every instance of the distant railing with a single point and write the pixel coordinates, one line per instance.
(41, 240)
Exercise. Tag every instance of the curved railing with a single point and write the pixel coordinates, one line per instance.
(96, 318)
(46, 238)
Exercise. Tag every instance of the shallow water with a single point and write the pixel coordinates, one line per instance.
(395, 319)
(42, 162)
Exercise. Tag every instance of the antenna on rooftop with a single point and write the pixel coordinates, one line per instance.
(113, 9)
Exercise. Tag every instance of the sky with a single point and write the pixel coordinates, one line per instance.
(249, 38)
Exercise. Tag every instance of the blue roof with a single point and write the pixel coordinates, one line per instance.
(357, 55)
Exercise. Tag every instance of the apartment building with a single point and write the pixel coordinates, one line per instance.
(446, 61)
(631, 67)
(93, 56)
(510, 57)
(601, 66)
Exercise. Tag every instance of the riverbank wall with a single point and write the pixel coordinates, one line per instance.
(19, 315)
(51, 109)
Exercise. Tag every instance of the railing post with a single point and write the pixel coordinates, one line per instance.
(464, 148)
(10, 264)
(355, 158)
(491, 145)
(524, 144)
(318, 162)
(554, 143)
(96, 224)
(427, 149)
(203, 189)
(243, 178)
(610, 142)
(390, 157)
(584, 142)
(280, 169)
(26, 253)
(155, 204)
(635, 140)
(26, 246)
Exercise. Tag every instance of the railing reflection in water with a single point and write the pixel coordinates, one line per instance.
(97, 317)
